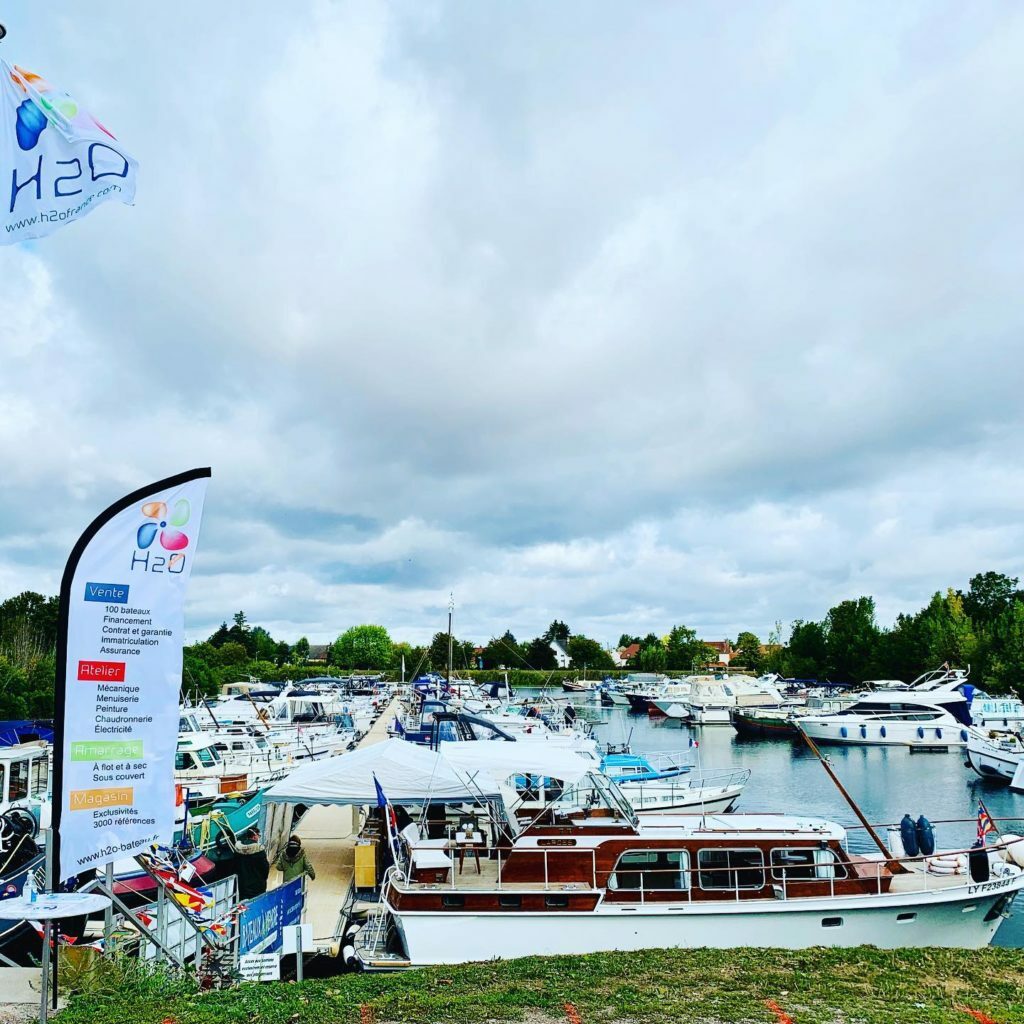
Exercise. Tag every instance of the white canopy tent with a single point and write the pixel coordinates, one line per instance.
(411, 774)
(407, 773)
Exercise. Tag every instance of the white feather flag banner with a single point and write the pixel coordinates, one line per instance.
(57, 162)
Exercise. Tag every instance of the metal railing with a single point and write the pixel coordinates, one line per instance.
(787, 881)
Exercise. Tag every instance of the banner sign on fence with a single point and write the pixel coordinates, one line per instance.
(261, 924)
(119, 674)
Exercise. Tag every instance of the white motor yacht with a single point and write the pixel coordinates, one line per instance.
(931, 711)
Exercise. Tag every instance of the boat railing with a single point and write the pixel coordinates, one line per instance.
(788, 881)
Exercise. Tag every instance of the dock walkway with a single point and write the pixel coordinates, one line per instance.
(328, 835)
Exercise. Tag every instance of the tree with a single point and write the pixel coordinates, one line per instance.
(947, 632)
(28, 627)
(363, 647)
(684, 652)
(559, 631)
(1006, 668)
(587, 653)
(233, 654)
(851, 638)
(539, 655)
(807, 654)
(748, 652)
(502, 652)
(264, 647)
(653, 658)
(220, 636)
(651, 640)
(627, 641)
(989, 594)
(300, 652)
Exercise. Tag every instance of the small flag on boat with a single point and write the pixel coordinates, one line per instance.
(986, 826)
(392, 820)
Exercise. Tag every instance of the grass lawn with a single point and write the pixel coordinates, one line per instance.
(821, 985)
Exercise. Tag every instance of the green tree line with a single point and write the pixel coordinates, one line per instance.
(982, 626)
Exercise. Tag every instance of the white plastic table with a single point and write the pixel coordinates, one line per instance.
(50, 907)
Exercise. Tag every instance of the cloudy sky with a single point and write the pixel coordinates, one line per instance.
(630, 314)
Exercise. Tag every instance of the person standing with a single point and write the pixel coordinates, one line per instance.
(293, 861)
(249, 862)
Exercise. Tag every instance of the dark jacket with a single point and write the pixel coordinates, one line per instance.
(252, 868)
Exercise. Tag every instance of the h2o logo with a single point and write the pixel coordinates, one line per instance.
(163, 524)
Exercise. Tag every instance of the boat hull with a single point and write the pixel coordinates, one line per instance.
(991, 762)
(763, 727)
(897, 734)
(942, 918)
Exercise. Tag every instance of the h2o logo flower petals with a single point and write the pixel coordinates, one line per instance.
(171, 539)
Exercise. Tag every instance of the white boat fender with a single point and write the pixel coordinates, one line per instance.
(351, 932)
(1013, 848)
(348, 955)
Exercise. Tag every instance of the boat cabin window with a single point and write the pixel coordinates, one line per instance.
(221, 746)
(19, 780)
(730, 869)
(651, 870)
(207, 756)
(805, 864)
(40, 777)
(183, 761)
(237, 745)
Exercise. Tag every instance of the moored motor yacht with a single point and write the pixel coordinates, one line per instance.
(932, 711)
(589, 875)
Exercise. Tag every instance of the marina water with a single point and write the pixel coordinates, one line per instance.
(887, 782)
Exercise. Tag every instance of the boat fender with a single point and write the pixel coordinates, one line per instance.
(920, 732)
(348, 955)
(963, 735)
(351, 932)
(978, 862)
(940, 867)
(882, 732)
(908, 834)
(843, 732)
(938, 733)
(1013, 847)
(863, 732)
(925, 836)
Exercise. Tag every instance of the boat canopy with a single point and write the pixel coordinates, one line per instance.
(411, 774)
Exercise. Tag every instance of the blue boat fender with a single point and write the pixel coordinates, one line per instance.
(938, 733)
(863, 732)
(925, 836)
(881, 732)
(843, 732)
(963, 735)
(908, 833)
(920, 732)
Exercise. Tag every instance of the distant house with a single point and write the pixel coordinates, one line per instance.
(318, 654)
(622, 656)
(722, 648)
(562, 657)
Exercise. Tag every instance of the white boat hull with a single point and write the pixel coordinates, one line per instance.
(990, 761)
(708, 715)
(897, 734)
(952, 918)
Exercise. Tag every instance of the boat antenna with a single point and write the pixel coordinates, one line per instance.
(890, 861)
(448, 670)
